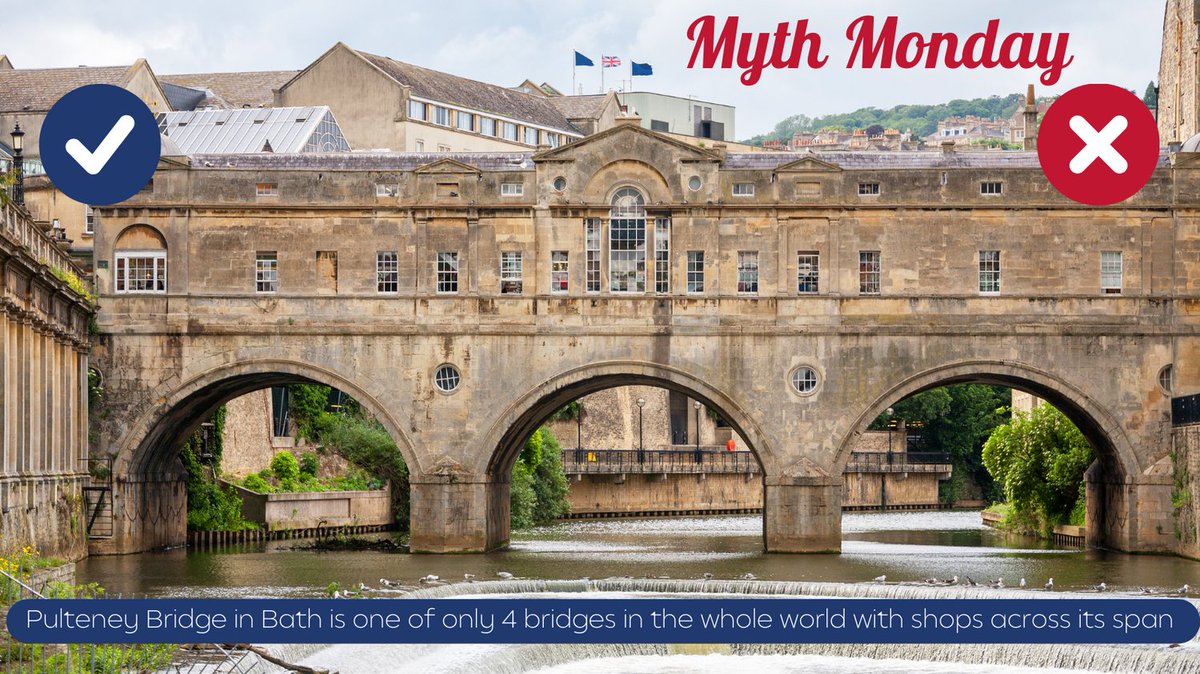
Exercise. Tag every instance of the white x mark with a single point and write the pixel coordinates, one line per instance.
(1099, 144)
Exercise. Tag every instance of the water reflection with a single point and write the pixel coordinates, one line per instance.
(902, 546)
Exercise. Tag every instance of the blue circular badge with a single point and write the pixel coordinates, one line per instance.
(99, 144)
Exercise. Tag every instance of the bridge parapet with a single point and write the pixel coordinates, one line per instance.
(658, 461)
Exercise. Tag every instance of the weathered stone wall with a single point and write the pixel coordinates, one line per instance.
(890, 489)
(248, 434)
(1185, 488)
(1178, 107)
(670, 493)
(611, 422)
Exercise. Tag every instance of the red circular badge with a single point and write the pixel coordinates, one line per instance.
(1098, 144)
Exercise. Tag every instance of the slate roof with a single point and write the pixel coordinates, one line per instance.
(254, 89)
(364, 161)
(439, 86)
(36, 89)
(579, 107)
(182, 98)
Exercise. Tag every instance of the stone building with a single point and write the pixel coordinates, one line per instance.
(1178, 98)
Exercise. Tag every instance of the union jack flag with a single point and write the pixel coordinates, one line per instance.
(610, 61)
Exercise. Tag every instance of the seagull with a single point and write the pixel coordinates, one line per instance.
(932, 581)
(388, 583)
(468, 576)
(1022, 582)
(707, 576)
(430, 579)
(362, 587)
(953, 581)
(1185, 589)
(881, 579)
(971, 583)
(504, 574)
(997, 584)
(1101, 587)
(749, 576)
(1145, 590)
(1050, 585)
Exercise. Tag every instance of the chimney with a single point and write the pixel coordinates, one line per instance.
(947, 148)
(629, 118)
(721, 149)
(1031, 120)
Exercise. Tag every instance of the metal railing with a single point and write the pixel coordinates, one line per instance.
(898, 462)
(18, 227)
(707, 459)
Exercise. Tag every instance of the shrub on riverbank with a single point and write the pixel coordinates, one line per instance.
(538, 490)
(1040, 459)
(211, 507)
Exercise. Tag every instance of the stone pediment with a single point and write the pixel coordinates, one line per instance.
(809, 165)
(447, 166)
(629, 134)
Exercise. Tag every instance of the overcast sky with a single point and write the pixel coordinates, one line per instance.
(1115, 41)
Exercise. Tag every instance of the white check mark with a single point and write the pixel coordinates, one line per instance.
(94, 162)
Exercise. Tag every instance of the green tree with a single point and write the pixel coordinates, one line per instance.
(1150, 98)
(538, 489)
(1040, 459)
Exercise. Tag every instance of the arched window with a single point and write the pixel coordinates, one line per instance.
(627, 242)
(140, 261)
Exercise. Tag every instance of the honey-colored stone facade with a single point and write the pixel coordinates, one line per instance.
(870, 341)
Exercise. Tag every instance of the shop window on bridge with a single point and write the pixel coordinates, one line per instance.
(447, 272)
(869, 272)
(1112, 268)
(141, 272)
(695, 271)
(140, 261)
(511, 273)
(662, 256)
(808, 267)
(747, 272)
(266, 272)
(627, 242)
(559, 266)
(591, 235)
(387, 271)
(989, 272)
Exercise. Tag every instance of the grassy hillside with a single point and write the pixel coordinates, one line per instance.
(922, 119)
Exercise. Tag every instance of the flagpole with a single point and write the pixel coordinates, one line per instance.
(601, 72)
(574, 64)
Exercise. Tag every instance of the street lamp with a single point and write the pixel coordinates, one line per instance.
(579, 431)
(641, 403)
(18, 144)
(699, 456)
(890, 412)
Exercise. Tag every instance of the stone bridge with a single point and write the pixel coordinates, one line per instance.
(464, 298)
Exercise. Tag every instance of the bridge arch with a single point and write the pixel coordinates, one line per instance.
(1115, 462)
(152, 443)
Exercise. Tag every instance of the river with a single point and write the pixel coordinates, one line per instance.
(902, 546)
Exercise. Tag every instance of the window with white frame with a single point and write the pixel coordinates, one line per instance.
(531, 136)
(416, 110)
(552, 139)
(627, 242)
(1112, 272)
(559, 267)
(441, 115)
(989, 272)
(420, 145)
(443, 148)
(591, 235)
(387, 271)
(487, 126)
(868, 189)
(511, 273)
(512, 189)
(743, 189)
(662, 255)
(695, 271)
(447, 272)
(465, 121)
(266, 189)
(89, 220)
(868, 272)
(266, 272)
(387, 189)
(991, 187)
(508, 131)
(141, 271)
(747, 272)
(808, 272)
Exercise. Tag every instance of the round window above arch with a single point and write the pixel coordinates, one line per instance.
(560, 184)
(694, 183)
(804, 380)
(447, 378)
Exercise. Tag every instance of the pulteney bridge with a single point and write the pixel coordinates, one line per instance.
(464, 298)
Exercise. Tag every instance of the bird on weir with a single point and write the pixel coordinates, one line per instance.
(1050, 584)
(881, 579)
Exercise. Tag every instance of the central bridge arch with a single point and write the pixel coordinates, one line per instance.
(530, 410)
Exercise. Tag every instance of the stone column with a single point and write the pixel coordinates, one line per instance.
(1130, 513)
(802, 514)
(457, 513)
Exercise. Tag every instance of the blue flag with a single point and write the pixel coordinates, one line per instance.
(642, 69)
(581, 60)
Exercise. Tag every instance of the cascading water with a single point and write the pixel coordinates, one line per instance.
(849, 658)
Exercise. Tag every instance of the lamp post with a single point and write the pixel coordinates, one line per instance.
(699, 456)
(18, 145)
(579, 431)
(641, 403)
(891, 420)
